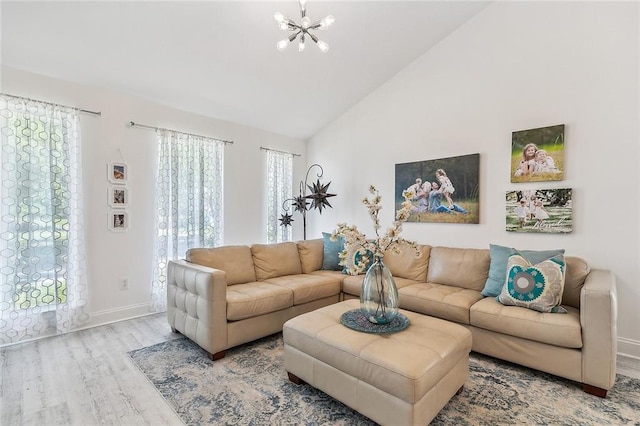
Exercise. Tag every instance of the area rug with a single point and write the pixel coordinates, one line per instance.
(250, 387)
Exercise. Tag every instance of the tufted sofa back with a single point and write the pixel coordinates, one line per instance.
(459, 267)
(236, 261)
(275, 260)
(407, 265)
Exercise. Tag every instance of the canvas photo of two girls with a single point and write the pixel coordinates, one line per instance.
(537, 155)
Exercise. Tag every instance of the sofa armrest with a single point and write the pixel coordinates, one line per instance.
(197, 304)
(598, 318)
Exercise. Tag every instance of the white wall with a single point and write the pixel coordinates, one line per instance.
(515, 66)
(112, 256)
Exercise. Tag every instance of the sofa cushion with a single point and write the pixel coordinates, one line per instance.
(575, 275)
(538, 287)
(330, 252)
(407, 265)
(459, 267)
(441, 301)
(498, 266)
(255, 299)
(308, 287)
(235, 261)
(310, 252)
(275, 260)
(352, 284)
(553, 329)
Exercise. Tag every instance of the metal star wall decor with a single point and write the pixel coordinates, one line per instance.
(286, 219)
(300, 204)
(318, 197)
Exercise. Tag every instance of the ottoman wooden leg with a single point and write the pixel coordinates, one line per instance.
(295, 379)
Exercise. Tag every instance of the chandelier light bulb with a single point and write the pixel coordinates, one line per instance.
(327, 22)
(279, 17)
(324, 47)
(306, 22)
(303, 4)
(282, 44)
(301, 45)
(283, 25)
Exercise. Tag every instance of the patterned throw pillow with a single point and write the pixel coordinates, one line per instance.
(352, 259)
(538, 287)
(498, 266)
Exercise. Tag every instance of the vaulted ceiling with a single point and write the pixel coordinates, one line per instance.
(219, 58)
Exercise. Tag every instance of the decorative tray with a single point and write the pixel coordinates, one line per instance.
(356, 320)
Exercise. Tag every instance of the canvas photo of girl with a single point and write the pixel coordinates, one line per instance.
(537, 155)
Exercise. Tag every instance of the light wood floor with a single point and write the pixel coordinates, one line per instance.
(86, 378)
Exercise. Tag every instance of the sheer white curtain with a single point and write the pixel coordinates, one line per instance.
(279, 189)
(42, 262)
(189, 202)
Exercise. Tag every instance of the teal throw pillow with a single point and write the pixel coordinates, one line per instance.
(538, 287)
(498, 266)
(331, 252)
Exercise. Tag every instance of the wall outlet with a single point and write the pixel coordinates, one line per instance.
(124, 284)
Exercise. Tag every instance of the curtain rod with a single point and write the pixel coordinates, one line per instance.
(281, 152)
(134, 124)
(86, 111)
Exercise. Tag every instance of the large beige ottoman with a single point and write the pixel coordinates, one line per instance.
(403, 378)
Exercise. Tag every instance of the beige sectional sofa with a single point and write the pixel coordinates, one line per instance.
(223, 297)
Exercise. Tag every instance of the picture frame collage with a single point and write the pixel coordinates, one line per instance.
(537, 155)
(447, 190)
(118, 196)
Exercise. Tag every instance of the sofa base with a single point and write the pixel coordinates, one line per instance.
(217, 355)
(594, 390)
(562, 362)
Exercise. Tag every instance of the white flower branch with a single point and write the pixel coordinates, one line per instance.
(391, 240)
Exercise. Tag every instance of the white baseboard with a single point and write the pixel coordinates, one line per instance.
(110, 316)
(628, 347)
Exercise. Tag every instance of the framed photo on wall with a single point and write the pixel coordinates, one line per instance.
(118, 220)
(118, 196)
(445, 190)
(547, 211)
(537, 155)
(117, 173)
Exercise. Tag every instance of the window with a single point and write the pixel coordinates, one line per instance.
(279, 189)
(42, 264)
(189, 201)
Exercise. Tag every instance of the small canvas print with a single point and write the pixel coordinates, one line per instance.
(444, 190)
(117, 173)
(537, 155)
(540, 210)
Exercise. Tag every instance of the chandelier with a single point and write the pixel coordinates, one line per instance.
(302, 30)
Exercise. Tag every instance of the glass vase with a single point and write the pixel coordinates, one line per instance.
(379, 295)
